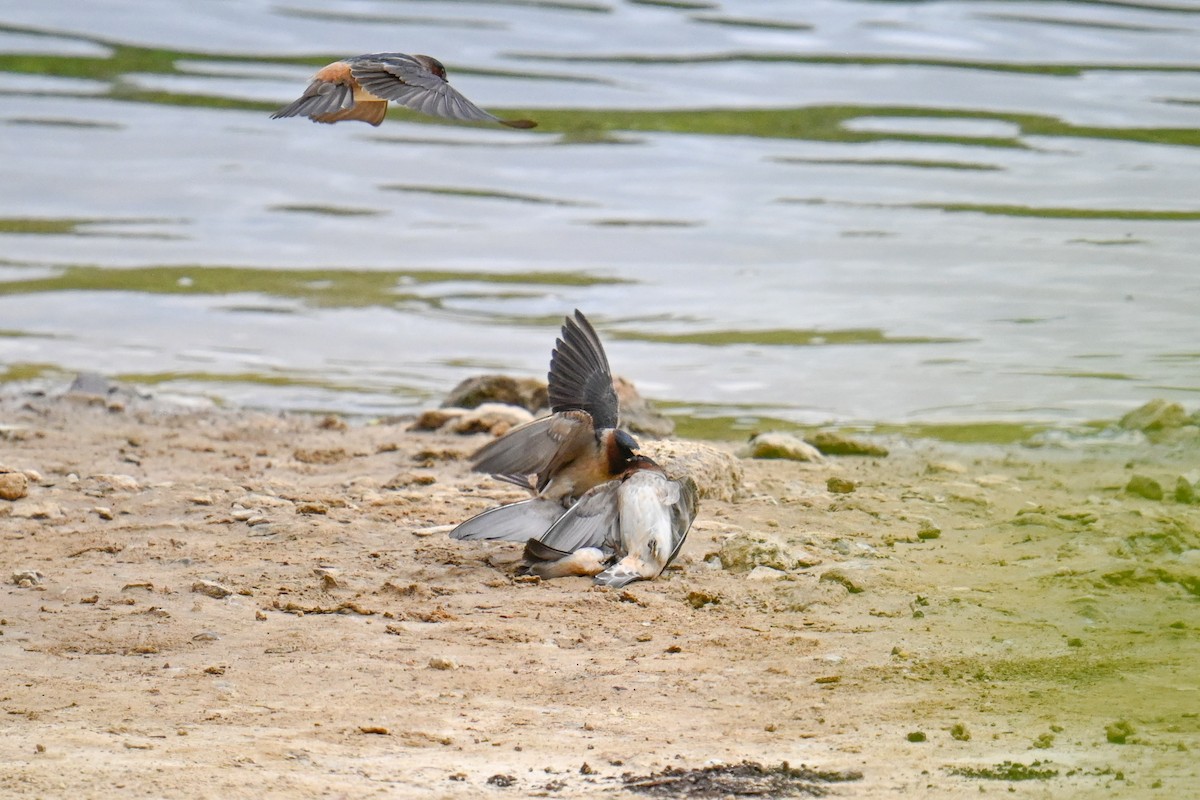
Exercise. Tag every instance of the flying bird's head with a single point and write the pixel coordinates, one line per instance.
(433, 65)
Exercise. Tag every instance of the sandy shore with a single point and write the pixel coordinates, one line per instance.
(230, 604)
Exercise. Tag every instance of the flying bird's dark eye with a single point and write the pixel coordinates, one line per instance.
(436, 68)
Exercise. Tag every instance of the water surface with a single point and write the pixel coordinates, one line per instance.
(850, 212)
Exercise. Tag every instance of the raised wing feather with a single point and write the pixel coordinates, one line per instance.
(579, 375)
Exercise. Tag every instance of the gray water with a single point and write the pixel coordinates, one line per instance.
(853, 212)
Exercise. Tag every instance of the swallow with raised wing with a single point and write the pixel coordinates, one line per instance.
(361, 87)
(577, 446)
(621, 531)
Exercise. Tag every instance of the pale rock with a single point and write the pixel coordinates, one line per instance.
(742, 552)
(775, 444)
(28, 578)
(211, 589)
(718, 474)
(27, 509)
(117, 483)
(1155, 415)
(13, 485)
(493, 418)
(761, 573)
(435, 418)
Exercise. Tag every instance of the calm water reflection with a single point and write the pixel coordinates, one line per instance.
(829, 211)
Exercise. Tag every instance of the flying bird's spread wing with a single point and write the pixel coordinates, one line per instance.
(404, 80)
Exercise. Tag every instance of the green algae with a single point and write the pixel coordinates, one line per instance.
(1059, 212)
(781, 337)
(1007, 771)
(329, 211)
(1070, 670)
(481, 194)
(746, 22)
(908, 163)
(320, 288)
(27, 371)
(967, 432)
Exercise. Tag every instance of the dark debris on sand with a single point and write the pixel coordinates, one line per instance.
(747, 779)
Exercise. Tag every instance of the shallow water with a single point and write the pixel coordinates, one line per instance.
(852, 212)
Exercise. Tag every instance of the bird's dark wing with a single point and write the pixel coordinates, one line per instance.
(321, 98)
(530, 448)
(591, 522)
(515, 522)
(404, 80)
(579, 376)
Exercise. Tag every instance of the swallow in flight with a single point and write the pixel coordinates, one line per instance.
(360, 88)
(621, 531)
(576, 447)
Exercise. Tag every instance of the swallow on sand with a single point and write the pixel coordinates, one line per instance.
(621, 531)
(360, 88)
(576, 447)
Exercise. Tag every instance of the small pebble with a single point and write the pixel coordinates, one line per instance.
(1118, 732)
(330, 578)
(13, 485)
(376, 730)
(928, 529)
(838, 485)
(28, 578)
(1144, 486)
(211, 589)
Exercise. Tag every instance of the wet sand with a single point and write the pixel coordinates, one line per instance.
(214, 603)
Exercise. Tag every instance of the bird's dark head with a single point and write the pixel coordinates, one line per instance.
(433, 65)
(619, 447)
